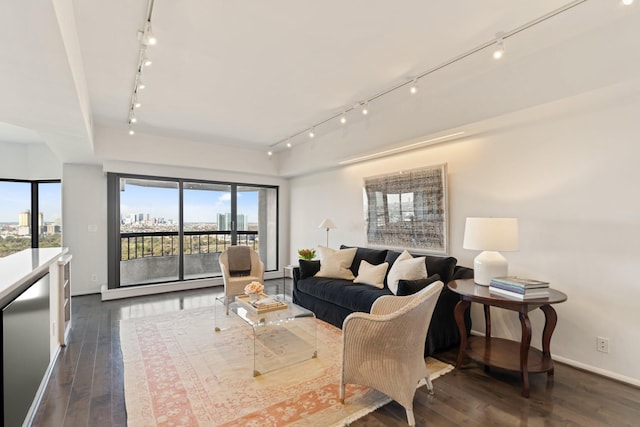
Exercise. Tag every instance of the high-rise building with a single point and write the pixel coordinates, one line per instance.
(224, 222)
(24, 220)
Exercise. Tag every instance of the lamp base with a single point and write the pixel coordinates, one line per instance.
(487, 265)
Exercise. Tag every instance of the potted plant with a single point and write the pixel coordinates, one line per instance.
(307, 254)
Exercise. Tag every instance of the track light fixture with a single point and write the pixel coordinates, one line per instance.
(131, 131)
(365, 108)
(499, 50)
(312, 132)
(627, 2)
(269, 153)
(343, 118)
(289, 143)
(414, 86)
(149, 38)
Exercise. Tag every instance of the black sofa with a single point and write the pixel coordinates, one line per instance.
(332, 300)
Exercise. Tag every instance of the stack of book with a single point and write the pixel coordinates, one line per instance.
(519, 288)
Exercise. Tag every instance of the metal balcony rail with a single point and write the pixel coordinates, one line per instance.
(166, 243)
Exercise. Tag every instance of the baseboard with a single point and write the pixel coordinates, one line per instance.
(35, 404)
(142, 290)
(585, 367)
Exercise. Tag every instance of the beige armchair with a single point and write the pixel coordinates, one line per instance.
(384, 349)
(240, 266)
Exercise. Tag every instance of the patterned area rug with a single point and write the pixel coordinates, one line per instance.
(179, 372)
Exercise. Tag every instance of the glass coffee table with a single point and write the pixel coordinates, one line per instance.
(281, 337)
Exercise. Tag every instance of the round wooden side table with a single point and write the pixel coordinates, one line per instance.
(499, 352)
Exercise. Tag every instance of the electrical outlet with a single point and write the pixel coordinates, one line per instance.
(94, 277)
(602, 344)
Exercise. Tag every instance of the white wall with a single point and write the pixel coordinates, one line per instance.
(570, 180)
(29, 161)
(84, 225)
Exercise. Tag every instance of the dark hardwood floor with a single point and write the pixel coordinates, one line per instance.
(86, 387)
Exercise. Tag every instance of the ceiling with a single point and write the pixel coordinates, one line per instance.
(233, 73)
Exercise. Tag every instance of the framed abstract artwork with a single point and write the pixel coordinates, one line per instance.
(408, 209)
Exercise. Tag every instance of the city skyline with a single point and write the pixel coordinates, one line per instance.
(200, 206)
(16, 198)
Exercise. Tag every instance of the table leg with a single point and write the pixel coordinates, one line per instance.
(487, 321)
(525, 344)
(550, 321)
(458, 312)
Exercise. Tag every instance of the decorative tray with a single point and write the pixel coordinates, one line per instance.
(264, 304)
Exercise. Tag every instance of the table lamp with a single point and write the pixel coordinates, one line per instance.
(490, 235)
(328, 224)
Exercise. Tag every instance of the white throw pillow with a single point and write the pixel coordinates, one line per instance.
(406, 267)
(370, 274)
(335, 263)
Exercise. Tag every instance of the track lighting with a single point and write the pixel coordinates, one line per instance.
(146, 38)
(269, 153)
(627, 2)
(414, 86)
(499, 50)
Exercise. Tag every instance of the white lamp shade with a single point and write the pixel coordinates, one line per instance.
(327, 223)
(491, 234)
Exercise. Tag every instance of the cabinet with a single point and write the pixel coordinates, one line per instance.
(64, 299)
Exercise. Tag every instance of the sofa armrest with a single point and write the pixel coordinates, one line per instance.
(461, 272)
(295, 272)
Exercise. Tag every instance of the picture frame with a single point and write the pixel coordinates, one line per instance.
(408, 210)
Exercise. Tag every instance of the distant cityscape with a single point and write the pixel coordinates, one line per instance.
(22, 228)
(145, 222)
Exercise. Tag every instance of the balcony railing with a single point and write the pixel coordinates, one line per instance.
(166, 243)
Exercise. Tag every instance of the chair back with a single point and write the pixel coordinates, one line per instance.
(414, 319)
(239, 260)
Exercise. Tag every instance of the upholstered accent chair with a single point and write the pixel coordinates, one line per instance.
(240, 265)
(384, 349)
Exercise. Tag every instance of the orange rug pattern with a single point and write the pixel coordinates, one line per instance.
(179, 372)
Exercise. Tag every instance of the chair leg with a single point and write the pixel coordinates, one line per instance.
(429, 385)
(410, 419)
(341, 390)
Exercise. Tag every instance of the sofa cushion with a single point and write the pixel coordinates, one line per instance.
(308, 268)
(342, 292)
(410, 287)
(335, 263)
(372, 256)
(443, 266)
(406, 267)
(372, 274)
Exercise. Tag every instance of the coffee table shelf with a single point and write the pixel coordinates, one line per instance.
(280, 338)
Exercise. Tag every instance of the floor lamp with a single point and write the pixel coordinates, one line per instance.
(328, 225)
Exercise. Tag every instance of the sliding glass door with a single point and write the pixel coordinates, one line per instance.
(172, 229)
(149, 226)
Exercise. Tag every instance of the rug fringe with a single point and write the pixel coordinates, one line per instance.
(361, 413)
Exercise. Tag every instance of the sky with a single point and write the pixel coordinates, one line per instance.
(199, 205)
(15, 197)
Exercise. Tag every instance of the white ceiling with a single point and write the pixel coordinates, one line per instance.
(243, 73)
